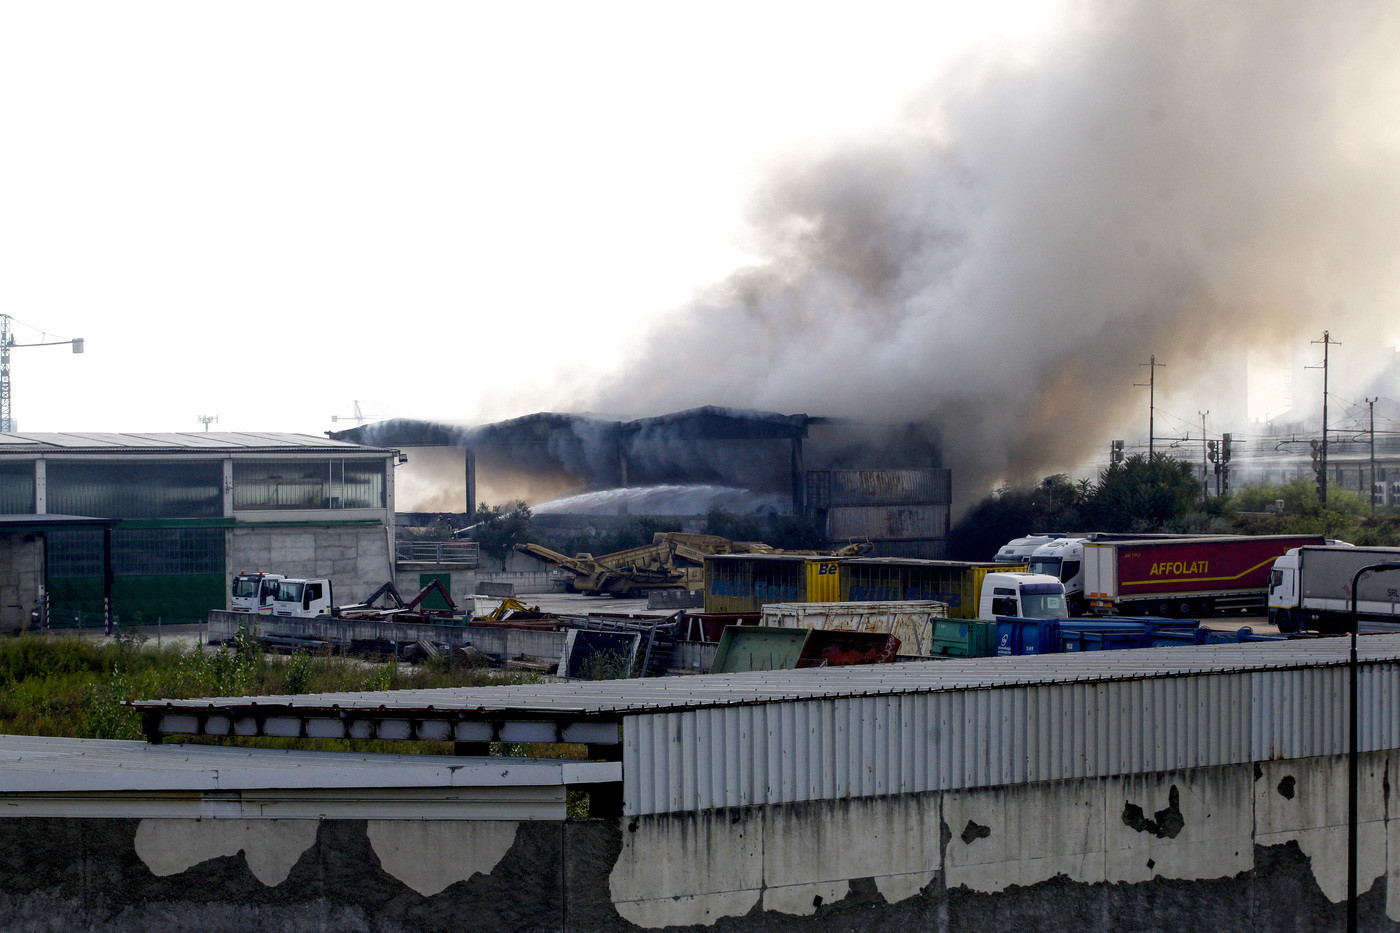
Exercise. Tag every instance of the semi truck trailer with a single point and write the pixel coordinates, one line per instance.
(1310, 588)
(1188, 578)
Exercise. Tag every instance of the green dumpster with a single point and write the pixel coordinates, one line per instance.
(963, 638)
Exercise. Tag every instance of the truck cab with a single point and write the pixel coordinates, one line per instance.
(303, 599)
(1019, 550)
(1022, 596)
(1063, 559)
(254, 592)
(1284, 600)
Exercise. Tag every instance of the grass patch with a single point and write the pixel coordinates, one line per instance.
(75, 687)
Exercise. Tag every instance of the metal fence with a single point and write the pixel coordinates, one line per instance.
(460, 553)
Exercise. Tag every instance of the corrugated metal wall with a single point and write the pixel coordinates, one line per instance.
(799, 750)
(887, 487)
(888, 521)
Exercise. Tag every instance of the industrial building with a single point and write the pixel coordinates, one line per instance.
(856, 480)
(1172, 788)
(159, 523)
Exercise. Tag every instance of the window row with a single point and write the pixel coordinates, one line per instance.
(163, 489)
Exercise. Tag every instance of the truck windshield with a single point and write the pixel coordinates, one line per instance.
(1046, 565)
(290, 592)
(245, 586)
(1043, 601)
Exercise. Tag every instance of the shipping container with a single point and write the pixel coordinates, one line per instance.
(955, 583)
(1183, 577)
(827, 488)
(887, 522)
(748, 582)
(910, 622)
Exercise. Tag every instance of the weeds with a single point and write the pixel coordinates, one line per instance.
(77, 687)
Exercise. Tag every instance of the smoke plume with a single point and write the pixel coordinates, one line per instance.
(1185, 180)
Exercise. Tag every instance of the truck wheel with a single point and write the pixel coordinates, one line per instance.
(1284, 620)
(1185, 609)
(1164, 609)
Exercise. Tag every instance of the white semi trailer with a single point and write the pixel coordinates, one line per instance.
(1310, 588)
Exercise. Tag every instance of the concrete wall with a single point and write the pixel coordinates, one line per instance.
(504, 642)
(355, 558)
(1243, 847)
(461, 582)
(21, 578)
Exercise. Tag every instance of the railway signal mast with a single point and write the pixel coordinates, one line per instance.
(7, 341)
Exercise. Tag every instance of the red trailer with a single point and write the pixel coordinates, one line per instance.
(1186, 577)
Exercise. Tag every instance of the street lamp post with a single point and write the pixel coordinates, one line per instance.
(1353, 755)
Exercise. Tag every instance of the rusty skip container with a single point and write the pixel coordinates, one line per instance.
(910, 622)
(955, 583)
(748, 582)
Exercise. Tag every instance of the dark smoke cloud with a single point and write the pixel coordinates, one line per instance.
(1179, 179)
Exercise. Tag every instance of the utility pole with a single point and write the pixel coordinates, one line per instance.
(7, 340)
(1327, 343)
(1151, 385)
(1371, 403)
(206, 419)
(1205, 471)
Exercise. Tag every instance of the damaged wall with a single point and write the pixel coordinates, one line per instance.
(1248, 846)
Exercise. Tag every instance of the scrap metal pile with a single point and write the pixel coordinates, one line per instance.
(672, 561)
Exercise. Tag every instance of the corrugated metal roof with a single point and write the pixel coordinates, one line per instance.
(165, 442)
(613, 697)
(43, 764)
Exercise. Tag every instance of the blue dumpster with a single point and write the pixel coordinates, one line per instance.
(1104, 636)
(1159, 622)
(1218, 637)
(1027, 636)
(1166, 638)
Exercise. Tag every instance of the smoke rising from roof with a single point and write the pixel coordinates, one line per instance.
(1184, 180)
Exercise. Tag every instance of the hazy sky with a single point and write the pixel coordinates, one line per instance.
(265, 211)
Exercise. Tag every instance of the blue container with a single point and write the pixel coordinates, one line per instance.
(1027, 636)
(1104, 636)
(1167, 638)
(1159, 622)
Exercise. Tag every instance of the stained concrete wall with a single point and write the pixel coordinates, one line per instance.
(21, 578)
(355, 558)
(503, 642)
(1244, 847)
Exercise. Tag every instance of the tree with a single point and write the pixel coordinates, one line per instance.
(497, 529)
(1142, 494)
(731, 526)
(1053, 504)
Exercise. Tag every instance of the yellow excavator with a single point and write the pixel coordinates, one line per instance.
(673, 560)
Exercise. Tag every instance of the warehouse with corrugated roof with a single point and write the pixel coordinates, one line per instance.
(185, 512)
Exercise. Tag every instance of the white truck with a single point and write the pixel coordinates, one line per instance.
(1310, 588)
(254, 592)
(1019, 550)
(1063, 558)
(302, 599)
(1022, 596)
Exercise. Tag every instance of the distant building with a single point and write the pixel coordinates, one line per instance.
(187, 511)
(882, 482)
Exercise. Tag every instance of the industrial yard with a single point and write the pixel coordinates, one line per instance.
(750, 468)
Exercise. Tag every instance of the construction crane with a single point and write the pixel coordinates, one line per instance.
(7, 341)
(358, 416)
